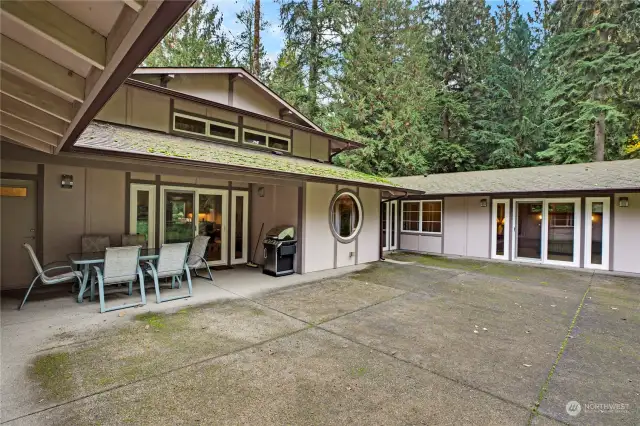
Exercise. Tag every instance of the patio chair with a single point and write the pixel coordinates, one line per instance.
(134, 240)
(94, 243)
(121, 265)
(65, 277)
(196, 259)
(172, 263)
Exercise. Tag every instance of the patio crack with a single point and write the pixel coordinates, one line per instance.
(545, 386)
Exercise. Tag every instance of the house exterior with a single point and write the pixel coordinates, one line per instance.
(183, 160)
(577, 215)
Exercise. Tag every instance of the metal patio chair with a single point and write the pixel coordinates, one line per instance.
(196, 259)
(134, 240)
(172, 263)
(121, 265)
(94, 243)
(70, 276)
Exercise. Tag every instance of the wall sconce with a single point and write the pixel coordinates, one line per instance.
(623, 202)
(483, 202)
(66, 181)
(261, 191)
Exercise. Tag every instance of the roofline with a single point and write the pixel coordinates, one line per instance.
(227, 70)
(185, 96)
(165, 17)
(160, 159)
(530, 194)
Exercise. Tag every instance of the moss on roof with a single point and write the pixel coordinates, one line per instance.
(111, 137)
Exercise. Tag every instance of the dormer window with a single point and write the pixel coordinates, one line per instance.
(266, 140)
(213, 129)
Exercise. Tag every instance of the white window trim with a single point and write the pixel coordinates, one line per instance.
(268, 136)
(420, 231)
(606, 218)
(245, 226)
(206, 127)
(133, 214)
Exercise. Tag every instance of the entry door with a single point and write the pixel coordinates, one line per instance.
(390, 226)
(596, 232)
(239, 227)
(500, 229)
(19, 206)
(528, 230)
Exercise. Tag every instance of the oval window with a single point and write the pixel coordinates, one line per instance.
(345, 216)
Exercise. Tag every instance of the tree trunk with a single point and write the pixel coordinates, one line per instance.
(314, 57)
(599, 138)
(446, 124)
(255, 61)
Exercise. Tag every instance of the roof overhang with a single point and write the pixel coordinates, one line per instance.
(62, 61)
(236, 72)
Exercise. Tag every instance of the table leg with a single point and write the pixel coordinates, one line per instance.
(85, 278)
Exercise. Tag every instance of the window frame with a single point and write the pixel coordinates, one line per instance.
(268, 136)
(207, 122)
(358, 204)
(420, 220)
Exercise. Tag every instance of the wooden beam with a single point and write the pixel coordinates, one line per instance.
(34, 67)
(38, 98)
(129, 44)
(32, 115)
(53, 24)
(20, 126)
(133, 4)
(20, 139)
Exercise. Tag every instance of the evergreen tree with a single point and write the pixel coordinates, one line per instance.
(313, 30)
(464, 41)
(288, 79)
(197, 40)
(593, 61)
(242, 45)
(508, 124)
(383, 95)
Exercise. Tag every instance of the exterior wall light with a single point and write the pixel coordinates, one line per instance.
(483, 202)
(66, 181)
(261, 191)
(623, 202)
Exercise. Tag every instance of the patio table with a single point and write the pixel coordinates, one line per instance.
(86, 260)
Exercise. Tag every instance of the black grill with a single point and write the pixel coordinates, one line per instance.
(280, 247)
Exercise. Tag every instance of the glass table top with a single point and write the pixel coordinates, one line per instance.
(98, 256)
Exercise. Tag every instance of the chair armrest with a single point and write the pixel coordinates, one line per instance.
(196, 256)
(98, 271)
(57, 267)
(56, 262)
(152, 267)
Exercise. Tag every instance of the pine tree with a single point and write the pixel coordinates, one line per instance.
(593, 60)
(383, 95)
(242, 44)
(508, 123)
(197, 40)
(288, 79)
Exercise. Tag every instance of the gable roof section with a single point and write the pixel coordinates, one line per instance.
(231, 70)
(598, 176)
(128, 141)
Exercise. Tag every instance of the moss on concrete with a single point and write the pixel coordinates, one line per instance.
(438, 261)
(54, 374)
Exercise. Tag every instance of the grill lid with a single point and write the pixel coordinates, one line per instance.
(282, 233)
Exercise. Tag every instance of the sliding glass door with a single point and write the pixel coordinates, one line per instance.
(390, 225)
(187, 212)
(547, 231)
(596, 232)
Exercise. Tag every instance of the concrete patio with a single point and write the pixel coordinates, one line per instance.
(438, 341)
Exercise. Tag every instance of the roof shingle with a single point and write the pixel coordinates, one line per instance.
(607, 175)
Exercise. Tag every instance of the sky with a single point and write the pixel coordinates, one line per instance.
(273, 38)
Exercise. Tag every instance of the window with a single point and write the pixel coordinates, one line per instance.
(204, 127)
(422, 216)
(345, 216)
(265, 140)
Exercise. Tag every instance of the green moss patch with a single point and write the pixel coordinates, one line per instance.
(438, 261)
(54, 374)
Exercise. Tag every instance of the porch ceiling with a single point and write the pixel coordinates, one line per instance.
(62, 60)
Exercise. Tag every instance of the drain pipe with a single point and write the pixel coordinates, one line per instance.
(406, 193)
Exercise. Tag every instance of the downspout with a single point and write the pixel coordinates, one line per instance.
(406, 193)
